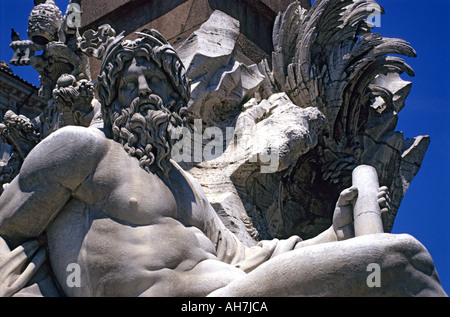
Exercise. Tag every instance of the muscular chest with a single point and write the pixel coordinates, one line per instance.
(121, 189)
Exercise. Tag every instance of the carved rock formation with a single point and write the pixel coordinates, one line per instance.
(328, 57)
(325, 59)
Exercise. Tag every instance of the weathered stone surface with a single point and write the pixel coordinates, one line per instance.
(274, 149)
(350, 278)
(270, 128)
(219, 83)
(327, 167)
(353, 81)
(271, 136)
(176, 20)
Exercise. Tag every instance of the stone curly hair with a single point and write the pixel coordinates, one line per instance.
(151, 45)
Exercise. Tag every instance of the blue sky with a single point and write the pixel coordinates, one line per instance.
(424, 212)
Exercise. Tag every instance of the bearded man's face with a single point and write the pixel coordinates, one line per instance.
(143, 78)
(140, 116)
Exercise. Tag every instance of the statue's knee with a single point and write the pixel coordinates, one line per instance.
(407, 267)
(405, 250)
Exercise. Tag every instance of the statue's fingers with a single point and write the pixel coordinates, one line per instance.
(384, 203)
(14, 261)
(382, 193)
(347, 196)
(30, 270)
(14, 274)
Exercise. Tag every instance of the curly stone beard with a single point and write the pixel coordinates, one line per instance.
(143, 128)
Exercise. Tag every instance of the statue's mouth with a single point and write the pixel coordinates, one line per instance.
(148, 106)
(152, 102)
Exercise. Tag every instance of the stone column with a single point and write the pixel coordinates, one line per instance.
(366, 210)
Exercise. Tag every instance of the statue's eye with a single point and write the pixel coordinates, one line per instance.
(129, 85)
(154, 80)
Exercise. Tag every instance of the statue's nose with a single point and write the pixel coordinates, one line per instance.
(144, 89)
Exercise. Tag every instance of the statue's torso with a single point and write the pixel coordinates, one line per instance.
(123, 231)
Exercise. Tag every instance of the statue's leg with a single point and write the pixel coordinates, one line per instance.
(370, 265)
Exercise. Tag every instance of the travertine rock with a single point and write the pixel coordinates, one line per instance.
(219, 84)
(327, 57)
(270, 137)
(360, 99)
(273, 148)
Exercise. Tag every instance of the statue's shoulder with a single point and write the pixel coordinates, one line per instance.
(66, 152)
(75, 138)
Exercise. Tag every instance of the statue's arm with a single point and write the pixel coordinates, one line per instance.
(342, 226)
(248, 258)
(231, 250)
(51, 173)
(27, 211)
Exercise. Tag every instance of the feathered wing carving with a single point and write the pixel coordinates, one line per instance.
(327, 57)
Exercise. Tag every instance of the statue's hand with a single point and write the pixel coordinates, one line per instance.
(18, 266)
(384, 202)
(343, 214)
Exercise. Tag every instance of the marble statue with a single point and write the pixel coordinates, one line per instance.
(102, 192)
